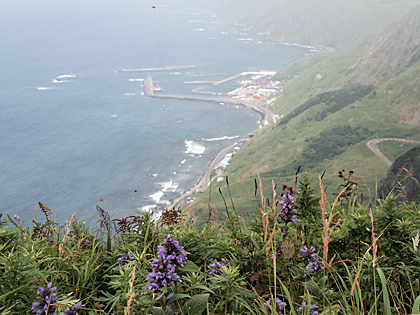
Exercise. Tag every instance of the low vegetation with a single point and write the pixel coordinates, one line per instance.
(296, 253)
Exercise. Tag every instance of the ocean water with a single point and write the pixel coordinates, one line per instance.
(69, 144)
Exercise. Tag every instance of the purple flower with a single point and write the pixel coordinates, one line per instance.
(126, 258)
(45, 298)
(280, 305)
(170, 254)
(216, 268)
(72, 310)
(309, 254)
(288, 210)
(310, 311)
(312, 257)
(315, 267)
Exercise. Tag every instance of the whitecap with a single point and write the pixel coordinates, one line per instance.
(221, 138)
(156, 196)
(113, 116)
(166, 185)
(42, 88)
(129, 94)
(135, 80)
(194, 148)
(183, 161)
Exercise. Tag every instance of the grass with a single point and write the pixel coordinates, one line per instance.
(333, 256)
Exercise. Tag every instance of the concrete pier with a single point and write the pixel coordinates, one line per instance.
(168, 68)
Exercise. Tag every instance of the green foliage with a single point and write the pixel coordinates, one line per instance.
(334, 101)
(264, 258)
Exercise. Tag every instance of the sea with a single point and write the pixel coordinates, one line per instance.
(96, 140)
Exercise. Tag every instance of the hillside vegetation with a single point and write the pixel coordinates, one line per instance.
(328, 115)
(332, 23)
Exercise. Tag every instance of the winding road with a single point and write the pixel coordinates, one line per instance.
(372, 145)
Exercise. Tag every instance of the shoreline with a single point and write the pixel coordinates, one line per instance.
(266, 118)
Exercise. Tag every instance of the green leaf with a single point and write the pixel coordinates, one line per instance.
(197, 304)
(387, 305)
(157, 311)
(416, 306)
(190, 267)
(198, 286)
(178, 296)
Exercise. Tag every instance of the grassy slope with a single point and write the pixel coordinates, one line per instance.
(275, 151)
(333, 23)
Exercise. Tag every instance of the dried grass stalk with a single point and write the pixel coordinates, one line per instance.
(132, 293)
(327, 228)
(69, 229)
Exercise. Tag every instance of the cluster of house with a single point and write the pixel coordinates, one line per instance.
(189, 199)
(221, 167)
(259, 87)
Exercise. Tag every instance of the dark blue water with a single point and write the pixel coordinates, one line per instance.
(69, 144)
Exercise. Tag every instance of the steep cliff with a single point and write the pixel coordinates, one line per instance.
(398, 47)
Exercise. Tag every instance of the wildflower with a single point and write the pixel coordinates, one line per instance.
(125, 258)
(280, 305)
(312, 258)
(310, 311)
(169, 255)
(287, 213)
(309, 254)
(72, 310)
(45, 298)
(216, 268)
(315, 267)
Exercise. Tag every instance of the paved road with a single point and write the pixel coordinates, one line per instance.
(372, 145)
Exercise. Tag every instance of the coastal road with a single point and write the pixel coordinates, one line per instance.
(204, 182)
(372, 145)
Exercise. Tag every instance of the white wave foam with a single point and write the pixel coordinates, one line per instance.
(129, 94)
(42, 88)
(155, 175)
(135, 80)
(194, 148)
(113, 116)
(166, 185)
(221, 138)
(183, 161)
(156, 196)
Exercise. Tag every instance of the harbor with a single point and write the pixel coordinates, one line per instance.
(254, 104)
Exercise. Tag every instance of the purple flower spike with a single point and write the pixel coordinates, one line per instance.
(45, 298)
(287, 202)
(280, 305)
(170, 254)
(126, 258)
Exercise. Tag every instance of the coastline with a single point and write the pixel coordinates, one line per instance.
(204, 181)
(266, 118)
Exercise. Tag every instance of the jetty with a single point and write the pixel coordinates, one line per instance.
(236, 76)
(168, 68)
(200, 82)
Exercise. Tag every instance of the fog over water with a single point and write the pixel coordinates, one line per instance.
(69, 144)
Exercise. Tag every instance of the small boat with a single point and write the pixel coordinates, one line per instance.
(65, 77)
(157, 88)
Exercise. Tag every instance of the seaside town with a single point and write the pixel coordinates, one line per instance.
(253, 91)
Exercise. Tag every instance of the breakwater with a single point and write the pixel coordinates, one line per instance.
(168, 68)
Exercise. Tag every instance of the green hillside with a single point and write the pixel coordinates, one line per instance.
(327, 118)
(331, 23)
